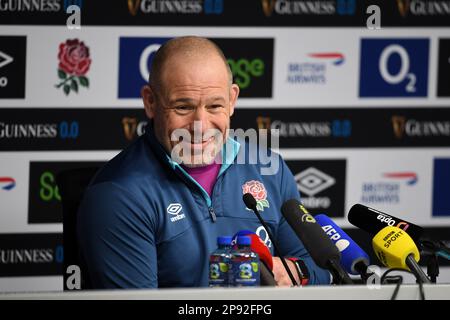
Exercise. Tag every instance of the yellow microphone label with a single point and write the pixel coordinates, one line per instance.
(303, 209)
(392, 245)
(306, 217)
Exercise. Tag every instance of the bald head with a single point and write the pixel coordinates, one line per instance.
(190, 91)
(187, 49)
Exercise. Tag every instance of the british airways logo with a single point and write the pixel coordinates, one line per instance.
(315, 69)
(335, 57)
(410, 177)
(7, 183)
(389, 189)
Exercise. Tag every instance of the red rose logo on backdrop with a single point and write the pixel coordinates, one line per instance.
(257, 190)
(74, 63)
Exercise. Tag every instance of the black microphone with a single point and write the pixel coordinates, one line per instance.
(322, 250)
(373, 221)
(251, 203)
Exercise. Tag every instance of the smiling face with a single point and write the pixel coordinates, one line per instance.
(191, 107)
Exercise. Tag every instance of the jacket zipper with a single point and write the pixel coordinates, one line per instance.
(212, 214)
(210, 209)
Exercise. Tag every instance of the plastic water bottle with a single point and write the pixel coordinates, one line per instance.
(245, 264)
(219, 263)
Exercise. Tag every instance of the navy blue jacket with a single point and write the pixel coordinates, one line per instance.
(145, 223)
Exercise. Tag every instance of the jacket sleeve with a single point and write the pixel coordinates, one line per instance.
(290, 245)
(116, 239)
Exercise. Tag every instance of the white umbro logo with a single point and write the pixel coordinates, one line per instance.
(175, 210)
(5, 59)
(311, 181)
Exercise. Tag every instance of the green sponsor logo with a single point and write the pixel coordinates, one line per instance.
(243, 70)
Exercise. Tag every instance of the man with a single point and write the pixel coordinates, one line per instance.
(151, 216)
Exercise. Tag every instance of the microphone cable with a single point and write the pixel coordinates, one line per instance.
(398, 279)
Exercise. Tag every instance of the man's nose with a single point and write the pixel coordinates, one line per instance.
(200, 117)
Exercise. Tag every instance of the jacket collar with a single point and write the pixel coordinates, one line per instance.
(229, 152)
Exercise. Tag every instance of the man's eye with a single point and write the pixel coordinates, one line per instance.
(215, 107)
(183, 109)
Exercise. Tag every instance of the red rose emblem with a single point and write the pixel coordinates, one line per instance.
(74, 63)
(257, 190)
(74, 57)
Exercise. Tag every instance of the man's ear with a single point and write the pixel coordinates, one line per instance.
(149, 99)
(234, 93)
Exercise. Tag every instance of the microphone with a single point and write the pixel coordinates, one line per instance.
(373, 221)
(265, 257)
(354, 259)
(396, 249)
(250, 202)
(322, 250)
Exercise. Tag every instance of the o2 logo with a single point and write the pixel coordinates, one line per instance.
(264, 236)
(394, 68)
(136, 56)
(404, 72)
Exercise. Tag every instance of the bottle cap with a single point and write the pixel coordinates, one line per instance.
(244, 240)
(224, 241)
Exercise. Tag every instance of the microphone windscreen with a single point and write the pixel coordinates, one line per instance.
(257, 246)
(249, 201)
(351, 253)
(392, 246)
(320, 247)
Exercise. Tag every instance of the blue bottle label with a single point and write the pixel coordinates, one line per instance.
(218, 273)
(245, 273)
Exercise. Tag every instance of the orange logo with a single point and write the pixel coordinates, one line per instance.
(403, 225)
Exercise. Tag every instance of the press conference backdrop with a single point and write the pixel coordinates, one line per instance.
(363, 114)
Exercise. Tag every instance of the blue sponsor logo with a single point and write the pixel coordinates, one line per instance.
(341, 128)
(59, 254)
(68, 3)
(346, 7)
(7, 183)
(213, 6)
(135, 58)
(394, 67)
(441, 187)
(69, 130)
